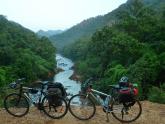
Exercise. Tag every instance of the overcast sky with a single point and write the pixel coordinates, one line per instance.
(54, 14)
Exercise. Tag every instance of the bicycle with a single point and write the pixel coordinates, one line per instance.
(83, 107)
(18, 104)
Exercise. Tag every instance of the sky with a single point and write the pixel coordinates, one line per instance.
(54, 14)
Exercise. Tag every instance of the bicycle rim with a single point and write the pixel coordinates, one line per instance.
(54, 111)
(16, 105)
(82, 107)
(126, 114)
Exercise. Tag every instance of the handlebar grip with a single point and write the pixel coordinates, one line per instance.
(13, 85)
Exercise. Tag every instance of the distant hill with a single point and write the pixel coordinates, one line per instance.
(84, 29)
(49, 32)
(87, 27)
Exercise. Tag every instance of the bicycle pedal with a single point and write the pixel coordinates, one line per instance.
(107, 109)
(39, 106)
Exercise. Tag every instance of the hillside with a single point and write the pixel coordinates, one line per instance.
(152, 113)
(133, 47)
(23, 53)
(87, 27)
(84, 29)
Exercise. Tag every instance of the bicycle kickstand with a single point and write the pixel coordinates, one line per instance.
(107, 116)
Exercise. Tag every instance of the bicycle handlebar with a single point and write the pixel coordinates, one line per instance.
(13, 85)
(88, 83)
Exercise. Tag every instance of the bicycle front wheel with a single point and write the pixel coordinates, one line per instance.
(56, 108)
(16, 105)
(82, 107)
(126, 112)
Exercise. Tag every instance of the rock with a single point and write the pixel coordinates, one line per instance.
(59, 70)
(75, 77)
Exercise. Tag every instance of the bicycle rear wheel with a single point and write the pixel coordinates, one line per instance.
(126, 112)
(82, 107)
(54, 110)
(16, 105)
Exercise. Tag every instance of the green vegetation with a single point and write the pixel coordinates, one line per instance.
(87, 27)
(23, 54)
(157, 94)
(133, 46)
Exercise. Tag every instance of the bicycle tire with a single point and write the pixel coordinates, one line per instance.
(13, 102)
(58, 111)
(76, 105)
(136, 105)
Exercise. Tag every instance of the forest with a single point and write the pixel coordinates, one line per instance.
(134, 45)
(23, 54)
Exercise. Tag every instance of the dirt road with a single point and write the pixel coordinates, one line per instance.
(152, 113)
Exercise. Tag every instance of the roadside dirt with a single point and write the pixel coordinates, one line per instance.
(152, 113)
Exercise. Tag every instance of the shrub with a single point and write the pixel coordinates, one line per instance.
(156, 95)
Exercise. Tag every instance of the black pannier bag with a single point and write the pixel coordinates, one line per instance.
(55, 92)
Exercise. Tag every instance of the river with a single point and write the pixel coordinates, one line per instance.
(64, 63)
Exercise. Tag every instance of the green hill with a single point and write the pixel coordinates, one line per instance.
(134, 46)
(23, 53)
(84, 29)
(87, 27)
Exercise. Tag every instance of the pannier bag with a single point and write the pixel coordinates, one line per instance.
(128, 96)
(127, 91)
(55, 92)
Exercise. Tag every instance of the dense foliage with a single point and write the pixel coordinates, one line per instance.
(133, 46)
(23, 54)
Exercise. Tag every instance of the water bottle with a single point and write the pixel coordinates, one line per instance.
(106, 107)
(107, 101)
(100, 100)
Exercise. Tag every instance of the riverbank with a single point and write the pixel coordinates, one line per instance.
(153, 113)
(58, 70)
(75, 76)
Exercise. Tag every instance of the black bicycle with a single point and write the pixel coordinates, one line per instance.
(18, 104)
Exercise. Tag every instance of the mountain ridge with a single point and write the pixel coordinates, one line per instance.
(87, 27)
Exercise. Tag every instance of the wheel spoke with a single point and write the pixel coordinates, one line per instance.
(16, 105)
(53, 110)
(81, 107)
(126, 113)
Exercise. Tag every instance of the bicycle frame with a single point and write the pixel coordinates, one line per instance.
(25, 91)
(104, 103)
(93, 93)
(26, 94)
